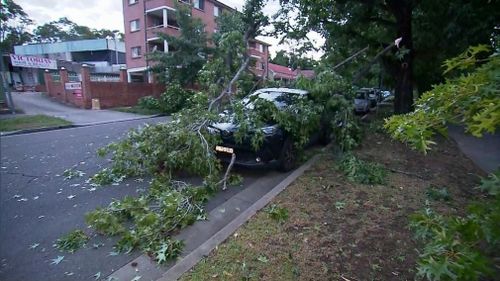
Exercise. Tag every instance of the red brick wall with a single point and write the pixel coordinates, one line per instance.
(56, 90)
(110, 94)
(114, 94)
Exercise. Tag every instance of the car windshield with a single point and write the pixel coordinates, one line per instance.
(280, 99)
(361, 95)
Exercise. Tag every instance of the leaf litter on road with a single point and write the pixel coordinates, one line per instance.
(57, 260)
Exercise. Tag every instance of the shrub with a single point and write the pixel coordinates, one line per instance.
(438, 194)
(277, 213)
(174, 99)
(149, 102)
(361, 171)
(460, 248)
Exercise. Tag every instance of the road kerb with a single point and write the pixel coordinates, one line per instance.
(190, 260)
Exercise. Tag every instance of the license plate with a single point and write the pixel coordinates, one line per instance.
(224, 149)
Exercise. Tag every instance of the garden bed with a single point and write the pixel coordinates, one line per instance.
(339, 230)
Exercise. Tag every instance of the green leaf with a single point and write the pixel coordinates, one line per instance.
(263, 259)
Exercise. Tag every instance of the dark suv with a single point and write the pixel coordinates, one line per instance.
(278, 148)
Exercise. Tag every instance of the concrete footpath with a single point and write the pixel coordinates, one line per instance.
(484, 152)
(33, 103)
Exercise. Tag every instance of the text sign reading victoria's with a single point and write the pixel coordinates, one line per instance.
(33, 62)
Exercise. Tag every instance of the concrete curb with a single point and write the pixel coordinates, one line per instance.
(44, 129)
(186, 263)
(27, 131)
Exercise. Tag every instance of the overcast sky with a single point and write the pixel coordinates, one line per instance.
(108, 13)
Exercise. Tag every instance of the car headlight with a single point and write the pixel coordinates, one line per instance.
(269, 130)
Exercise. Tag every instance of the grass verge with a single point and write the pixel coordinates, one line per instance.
(137, 110)
(31, 122)
(333, 228)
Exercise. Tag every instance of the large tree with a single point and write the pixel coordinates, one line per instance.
(424, 26)
(64, 29)
(13, 23)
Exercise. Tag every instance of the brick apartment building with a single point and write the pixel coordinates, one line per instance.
(144, 19)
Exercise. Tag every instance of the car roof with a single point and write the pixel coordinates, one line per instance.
(283, 90)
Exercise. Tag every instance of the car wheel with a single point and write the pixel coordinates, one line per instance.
(287, 159)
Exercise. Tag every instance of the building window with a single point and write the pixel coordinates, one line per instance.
(138, 77)
(172, 18)
(199, 4)
(216, 11)
(261, 48)
(136, 52)
(134, 25)
(131, 2)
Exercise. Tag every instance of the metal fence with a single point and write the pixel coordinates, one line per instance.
(74, 77)
(104, 77)
(56, 77)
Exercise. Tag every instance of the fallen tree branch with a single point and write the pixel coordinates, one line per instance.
(407, 173)
(228, 88)
(228, 170)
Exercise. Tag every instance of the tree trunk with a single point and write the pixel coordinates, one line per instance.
(403, 98)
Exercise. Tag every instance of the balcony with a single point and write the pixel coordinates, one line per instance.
(162, 20)
(157, 45)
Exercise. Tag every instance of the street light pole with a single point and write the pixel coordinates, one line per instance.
(116, 50)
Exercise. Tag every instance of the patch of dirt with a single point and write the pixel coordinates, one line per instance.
(339, 230)
(364, 231)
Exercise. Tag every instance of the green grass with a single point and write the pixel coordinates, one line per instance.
(31, 122)
(137, 110)
(235, 260)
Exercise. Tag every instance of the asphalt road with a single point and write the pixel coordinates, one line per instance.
(37, 205)
(36, 103)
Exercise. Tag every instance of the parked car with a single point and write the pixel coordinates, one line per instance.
(277, 148)
(361, 102)
(366, 98)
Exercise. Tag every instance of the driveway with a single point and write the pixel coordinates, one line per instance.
(37, 205)
(35, 103)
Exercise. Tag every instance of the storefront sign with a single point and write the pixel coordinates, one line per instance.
(73, 86)
(32, 62)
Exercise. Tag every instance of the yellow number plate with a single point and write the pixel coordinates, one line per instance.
(224, 149)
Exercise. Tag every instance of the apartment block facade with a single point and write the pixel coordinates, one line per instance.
(145, 19)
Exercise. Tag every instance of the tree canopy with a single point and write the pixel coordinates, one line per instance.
(293, 60)
(430, 32)
(469, 97)
(187, 53)
(13, 21)
(64, 29)
(14, 24)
